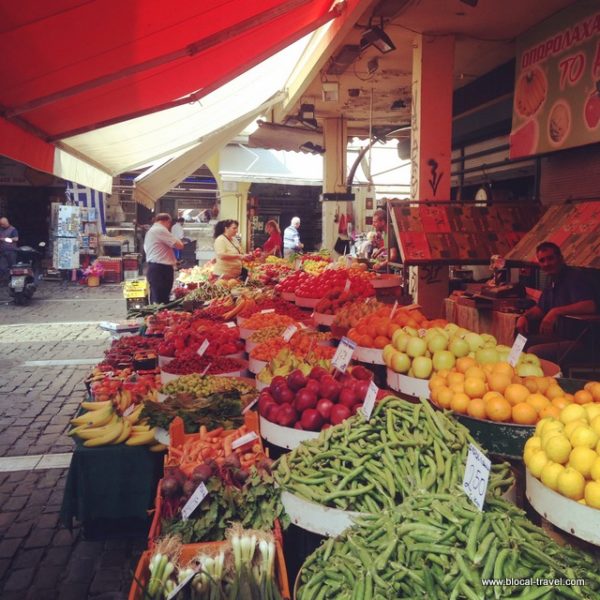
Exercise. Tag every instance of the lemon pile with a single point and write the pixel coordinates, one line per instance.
(564, 453)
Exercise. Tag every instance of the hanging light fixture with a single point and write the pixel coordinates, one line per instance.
(375, 36)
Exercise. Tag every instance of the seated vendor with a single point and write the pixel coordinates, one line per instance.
(568, 292)
(380, 253)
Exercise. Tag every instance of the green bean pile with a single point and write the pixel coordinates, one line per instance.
(440, 546)
(369, 466)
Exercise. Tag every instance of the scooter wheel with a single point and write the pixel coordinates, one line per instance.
(20, 299)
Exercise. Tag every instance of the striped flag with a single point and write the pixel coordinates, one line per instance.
(88, 198)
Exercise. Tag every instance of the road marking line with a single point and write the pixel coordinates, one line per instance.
(63, 363)
(35, 462)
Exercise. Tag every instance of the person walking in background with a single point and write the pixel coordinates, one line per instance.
(9, 238)
(228, 252)
(177, 231)
(158, 246)
(273, 246)
(291, 238)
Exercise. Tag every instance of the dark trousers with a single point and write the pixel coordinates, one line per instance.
(160, 278)
(7, 259)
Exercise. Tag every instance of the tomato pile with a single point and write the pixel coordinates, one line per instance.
(216, 366)
(293, 281)
(136, 383)
(281, 308)
(335, 279)
(184, 340)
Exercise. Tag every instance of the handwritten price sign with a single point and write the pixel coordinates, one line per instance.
(477, 474)
(343, 355)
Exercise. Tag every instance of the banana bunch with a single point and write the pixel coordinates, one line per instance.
(102, 425)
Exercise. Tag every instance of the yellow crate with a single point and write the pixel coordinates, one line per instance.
(135, 288)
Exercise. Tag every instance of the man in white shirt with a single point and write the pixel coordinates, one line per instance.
(291, 238)
(158, 246)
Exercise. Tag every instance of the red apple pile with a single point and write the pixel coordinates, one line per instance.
(316, 401)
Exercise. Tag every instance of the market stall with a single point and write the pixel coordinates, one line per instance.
(353, 451)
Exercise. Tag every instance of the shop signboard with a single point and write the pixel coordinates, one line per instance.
(557, 83)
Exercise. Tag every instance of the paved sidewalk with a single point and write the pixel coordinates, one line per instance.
(38, 559)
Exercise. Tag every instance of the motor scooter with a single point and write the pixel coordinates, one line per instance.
(25, 273)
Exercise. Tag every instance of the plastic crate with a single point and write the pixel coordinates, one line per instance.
(111, 277)
(110, 264)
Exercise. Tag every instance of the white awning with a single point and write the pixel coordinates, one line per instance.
(258, 165)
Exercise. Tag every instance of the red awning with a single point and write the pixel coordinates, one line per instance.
(70, 66)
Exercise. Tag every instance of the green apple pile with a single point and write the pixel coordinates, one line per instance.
(419, 353)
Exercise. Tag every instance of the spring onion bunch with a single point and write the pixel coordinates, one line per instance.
(162, 566)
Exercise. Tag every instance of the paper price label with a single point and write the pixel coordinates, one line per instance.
(343, 355)
(250, 405)
(289, 332)
(245, 439)
(477, 474)
(516, 350)
(302, 325)
(267, 311)
(230, 324)
(369, 403)
(162, 436)
(185, 581)
(394, 308)
(195, 499)
(129, 410)
(203, 346)
(208, 366)
(347, 286)
(247, 280)
(161, 397)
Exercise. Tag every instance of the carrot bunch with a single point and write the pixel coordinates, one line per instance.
(214, 445)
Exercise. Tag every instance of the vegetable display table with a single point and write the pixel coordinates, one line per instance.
(110, 483)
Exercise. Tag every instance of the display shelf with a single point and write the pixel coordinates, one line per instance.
(386, 282)
(579, 520)
(373, 356)
(256, 366)
(246, 333)
(323, 319)
(411, 386)
(307, 302)
(164, 360)
(317, 518)
(284, 437)
(261, 385)
(289, 296)
(251, 345)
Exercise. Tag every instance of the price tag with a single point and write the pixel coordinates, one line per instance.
(245, 439)
(369, 402)
(247, 280)
(394, 308)
(289, 332)
(195, 499)
(161, 397)
(368, 300)
(249, 406)
(208, 366)
(267, 311)
(477, 473)
(129, 410)
(162, 436)
(516, 350)
(203, 346)
(183, 583)
(343, 355)
(230, 324)
(347, 286)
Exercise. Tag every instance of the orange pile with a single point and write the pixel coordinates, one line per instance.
(271, 319)
(495, 392)
(376, 329)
